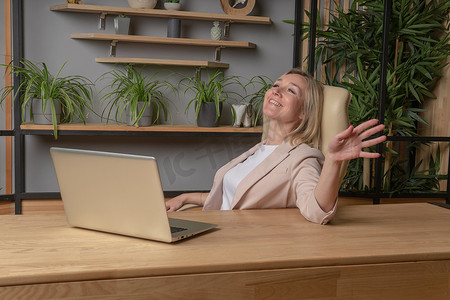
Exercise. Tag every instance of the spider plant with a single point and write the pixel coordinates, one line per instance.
(213, 90)
(73, 93)
(129, 88)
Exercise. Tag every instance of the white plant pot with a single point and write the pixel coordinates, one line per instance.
(142, 3)
(172, 6)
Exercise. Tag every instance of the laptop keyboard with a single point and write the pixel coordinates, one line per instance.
(174, 229)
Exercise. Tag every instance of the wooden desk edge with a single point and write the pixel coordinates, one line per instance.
(219, 267)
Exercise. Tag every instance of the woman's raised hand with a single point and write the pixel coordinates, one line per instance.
(349, 143)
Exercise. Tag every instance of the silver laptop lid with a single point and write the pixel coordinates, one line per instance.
(112, 192)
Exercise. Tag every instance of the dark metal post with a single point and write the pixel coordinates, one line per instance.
(298, 30)
(382, 97)
(19, 169)
(447, 200)
(312, 37)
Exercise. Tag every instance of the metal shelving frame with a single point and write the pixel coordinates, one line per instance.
(19, 134)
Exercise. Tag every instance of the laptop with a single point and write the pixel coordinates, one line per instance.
(117, 193)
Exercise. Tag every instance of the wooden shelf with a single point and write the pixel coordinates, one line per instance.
(159, 13)
(161, 40)
(166, 62)
(155, 128)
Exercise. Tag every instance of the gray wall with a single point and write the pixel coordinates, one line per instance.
(185, 163)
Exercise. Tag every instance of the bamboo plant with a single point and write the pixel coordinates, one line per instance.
(349, 54)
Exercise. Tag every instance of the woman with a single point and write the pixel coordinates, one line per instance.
(285, 170)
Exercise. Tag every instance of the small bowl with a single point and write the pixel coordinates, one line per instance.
(142, 3)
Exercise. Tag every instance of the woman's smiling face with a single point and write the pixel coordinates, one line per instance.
(284, 101)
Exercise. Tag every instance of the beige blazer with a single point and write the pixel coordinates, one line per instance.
(286, 178)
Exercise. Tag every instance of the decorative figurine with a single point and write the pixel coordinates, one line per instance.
(216, 31)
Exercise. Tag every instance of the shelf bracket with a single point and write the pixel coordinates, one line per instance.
(226, 29)
(101, 24)
(112, 49)
(217, 53)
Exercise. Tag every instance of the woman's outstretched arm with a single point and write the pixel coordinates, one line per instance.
(344, 146)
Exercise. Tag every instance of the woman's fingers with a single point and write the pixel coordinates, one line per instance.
(369, 132)
(373, 142)
(364, 154)
(363, 126)
(365, 131)
(345, 134)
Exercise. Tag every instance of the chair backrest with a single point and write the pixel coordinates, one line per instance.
(334, 117)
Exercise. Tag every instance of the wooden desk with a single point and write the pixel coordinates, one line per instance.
(398, 251)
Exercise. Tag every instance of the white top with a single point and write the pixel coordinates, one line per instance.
(235, 175)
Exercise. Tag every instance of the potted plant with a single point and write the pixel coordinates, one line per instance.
(122, 24)
(172, 4)
(136, 95)
(208, 97)
(50, 95)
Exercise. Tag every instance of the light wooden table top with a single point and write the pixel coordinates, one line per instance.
(44, 248)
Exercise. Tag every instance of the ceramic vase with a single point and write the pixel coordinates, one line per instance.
(122, 25)
(173, 28)
(244, 115)
(216, 31)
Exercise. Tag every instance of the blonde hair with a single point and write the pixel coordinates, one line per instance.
(308, 130)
